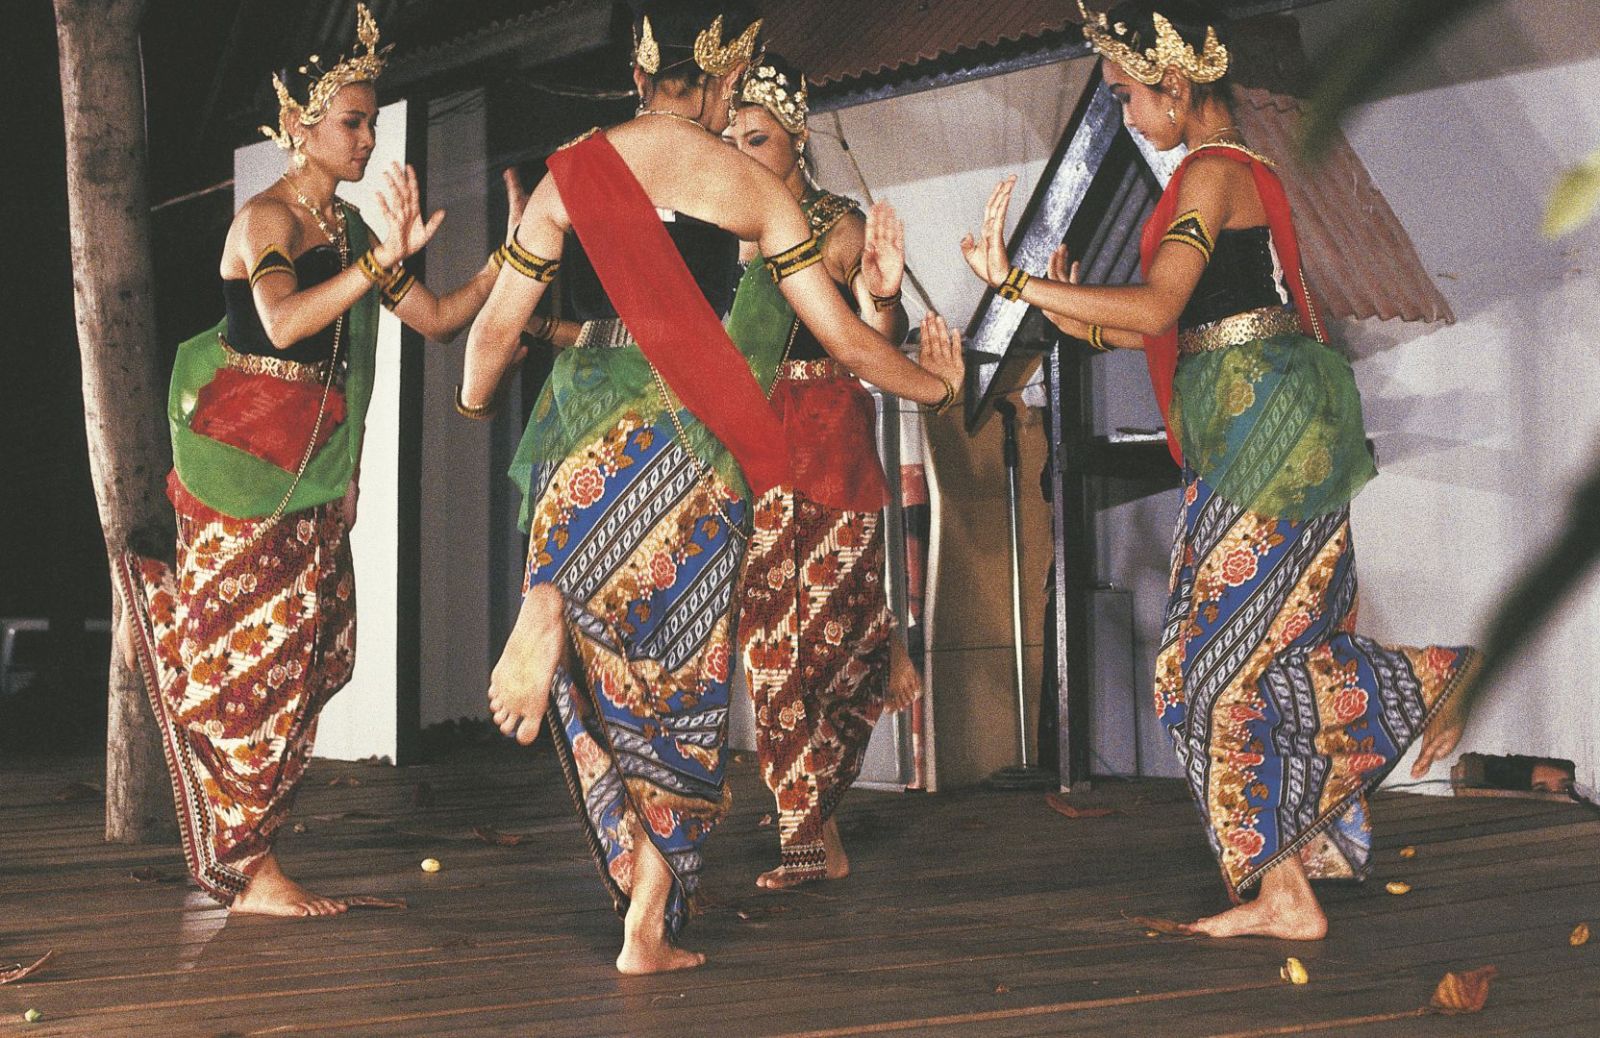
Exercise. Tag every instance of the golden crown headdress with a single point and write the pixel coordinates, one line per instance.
(771, 89)
(710, 53)
(1207, 65)
(364, 65)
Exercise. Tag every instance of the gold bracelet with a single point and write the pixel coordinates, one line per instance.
(949, 397)
(1016, 280)
(882, 303)
(477, 413)
(547, 328)
(1097, 339)
(376, 272)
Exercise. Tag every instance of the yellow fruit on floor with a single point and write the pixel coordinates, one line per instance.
(431, 865)
(1397, 887)
(1294, 971)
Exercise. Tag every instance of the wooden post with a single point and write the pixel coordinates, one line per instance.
(102, 97)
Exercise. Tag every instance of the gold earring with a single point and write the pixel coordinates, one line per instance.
(297, 151)
(1172, 116)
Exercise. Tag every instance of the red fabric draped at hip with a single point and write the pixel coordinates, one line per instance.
(832, 449)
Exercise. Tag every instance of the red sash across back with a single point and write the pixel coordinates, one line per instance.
(656, 296)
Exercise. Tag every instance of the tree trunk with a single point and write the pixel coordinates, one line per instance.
(102, 94)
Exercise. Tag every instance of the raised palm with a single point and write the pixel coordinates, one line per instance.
(400, 201)
(883, 253)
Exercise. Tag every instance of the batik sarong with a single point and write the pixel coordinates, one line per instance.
(240, 646)
(814, 628)
(644, 544)
(1282, 716)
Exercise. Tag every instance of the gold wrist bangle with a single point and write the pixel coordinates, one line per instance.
(477, 413)
(882, 303)
(547, 327)
(944, 402)
(1097, 339)
(1016, 280)
(376, 272)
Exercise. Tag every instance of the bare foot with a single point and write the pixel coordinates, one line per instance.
(1286, 909)
(645, 945)
(837, 864)
(270, 892)
(519, 688)
(905, 683)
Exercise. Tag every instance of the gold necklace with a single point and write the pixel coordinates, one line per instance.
(1216, 136)
(642, 110)
(338, 240)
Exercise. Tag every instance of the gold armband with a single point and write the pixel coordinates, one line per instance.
(271, 261)
(793, 261)
(1016, 280)
(1190, 229)
(526, 263)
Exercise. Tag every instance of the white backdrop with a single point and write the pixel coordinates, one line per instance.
(1485, 427)
(361, 721)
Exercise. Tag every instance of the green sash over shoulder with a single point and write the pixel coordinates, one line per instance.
(236, 482)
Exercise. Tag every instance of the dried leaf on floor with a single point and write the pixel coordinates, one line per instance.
(298, 827)
(1396, 887)
(1408, 852)
(1169, 927)
(372, 901)
(151, 874)
(15, 973)
(1060, 805)
(1463, 992)
(1579, 936)
(765, 823)
(1001, 989)
(494, 837)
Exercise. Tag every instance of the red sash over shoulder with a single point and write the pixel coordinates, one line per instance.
(658, 300)
(1161, 351)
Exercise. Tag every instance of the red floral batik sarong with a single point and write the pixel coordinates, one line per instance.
(814, 623)
(240, 645)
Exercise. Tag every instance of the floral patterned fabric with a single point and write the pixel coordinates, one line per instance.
(814, 629)
(1282, 716)
(240, 646)
(643, 543)
(1274, 425)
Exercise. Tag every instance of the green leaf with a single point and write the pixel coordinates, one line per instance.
(1574, 199)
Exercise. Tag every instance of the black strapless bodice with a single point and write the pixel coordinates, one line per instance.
(1243, 274)
(246, 334)
(710, 253)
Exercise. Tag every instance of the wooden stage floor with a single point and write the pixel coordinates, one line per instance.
(971, 914)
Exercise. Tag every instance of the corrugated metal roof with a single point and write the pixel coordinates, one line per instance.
(1359, 260)
(836, 41)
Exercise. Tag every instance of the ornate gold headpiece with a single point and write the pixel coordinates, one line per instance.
(710, 53)
(771, 89)
(1148, 65)
(364, 65)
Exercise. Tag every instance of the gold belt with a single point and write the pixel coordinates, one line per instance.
(607, 333)
(278, 367)
(807, 370)
(1236, 329)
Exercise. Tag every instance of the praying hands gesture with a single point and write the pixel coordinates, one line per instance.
(401, 204)
(987, 256)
